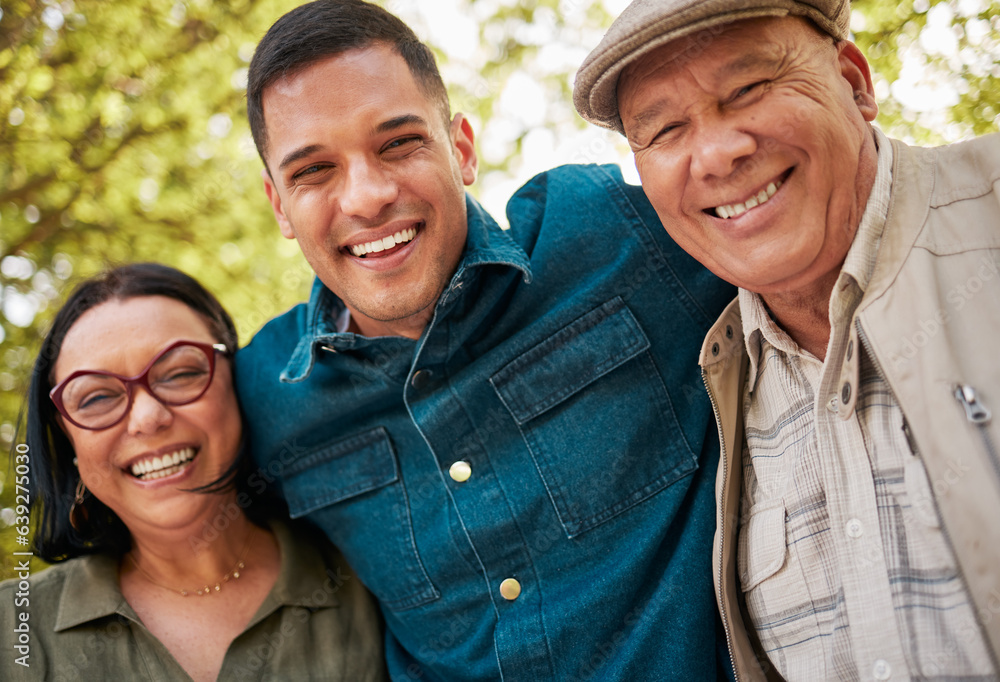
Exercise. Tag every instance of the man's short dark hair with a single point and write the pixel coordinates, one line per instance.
(326, 28)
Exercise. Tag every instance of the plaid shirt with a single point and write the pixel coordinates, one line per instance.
(838, 522)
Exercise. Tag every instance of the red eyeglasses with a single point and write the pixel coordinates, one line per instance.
(179, 374)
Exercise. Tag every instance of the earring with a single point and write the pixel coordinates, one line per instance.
(78, 514)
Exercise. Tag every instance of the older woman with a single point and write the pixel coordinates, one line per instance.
(169, 565)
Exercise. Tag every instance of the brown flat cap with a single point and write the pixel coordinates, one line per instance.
(647, 24)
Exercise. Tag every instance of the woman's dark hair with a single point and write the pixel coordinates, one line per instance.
(53, 476)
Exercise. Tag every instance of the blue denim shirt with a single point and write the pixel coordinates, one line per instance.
(561, 365)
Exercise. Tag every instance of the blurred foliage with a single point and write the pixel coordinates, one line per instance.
(953, 47)
(124, 136)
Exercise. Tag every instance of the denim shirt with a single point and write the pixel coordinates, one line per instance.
(561, 366)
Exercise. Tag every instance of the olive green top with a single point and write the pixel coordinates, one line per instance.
(317, 623)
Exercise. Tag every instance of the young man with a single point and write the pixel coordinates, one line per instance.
(860, 482)
(504, 431)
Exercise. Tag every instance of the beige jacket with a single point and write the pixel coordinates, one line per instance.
(929, 318)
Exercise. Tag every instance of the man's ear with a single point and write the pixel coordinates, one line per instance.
(272, 195)
(463, 140)
(855, 70)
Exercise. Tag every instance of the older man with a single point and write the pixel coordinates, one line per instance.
(859, 490)
(501, 429)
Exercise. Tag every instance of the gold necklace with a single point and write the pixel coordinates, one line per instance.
(233, 572)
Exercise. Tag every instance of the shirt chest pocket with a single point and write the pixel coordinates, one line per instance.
(596, 417)
(351, 490)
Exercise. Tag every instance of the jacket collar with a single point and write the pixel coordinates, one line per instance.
(724, 340)
(486, 244)
(91, 590)
(912, 195)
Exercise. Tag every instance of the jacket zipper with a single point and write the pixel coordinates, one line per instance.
(978, 414)
(722, 515)
(913, 446)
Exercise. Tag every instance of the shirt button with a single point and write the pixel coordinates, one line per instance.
(881, 670)
(834, 404)
(855, 529)
(845, 394)
(421, 378)
(510, 589)
(460, 471)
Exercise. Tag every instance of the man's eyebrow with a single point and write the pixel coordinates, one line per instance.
(650, 115)
(398, 122)
(642, 120)
(383, 127)
(299, 153)
(749, 62)
(743, 63)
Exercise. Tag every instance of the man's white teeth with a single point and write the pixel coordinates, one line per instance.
(733, 210)
(158, 467)
(385, 243)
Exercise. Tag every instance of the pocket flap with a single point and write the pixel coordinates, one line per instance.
(337, 471)
(760, 558)
(569, 360)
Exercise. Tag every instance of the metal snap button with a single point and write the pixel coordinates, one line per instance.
(421, 379)
(510, 589)
(460, 471)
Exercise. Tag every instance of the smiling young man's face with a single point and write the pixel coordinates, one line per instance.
(369, 178)
(756, 152)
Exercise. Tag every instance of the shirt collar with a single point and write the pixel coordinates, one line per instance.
(91, 590)
(857, 268)
(757, 328)
(860, 261)
(486, 244)
(304, 579)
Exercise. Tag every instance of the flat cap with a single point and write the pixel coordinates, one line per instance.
(648, 24)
